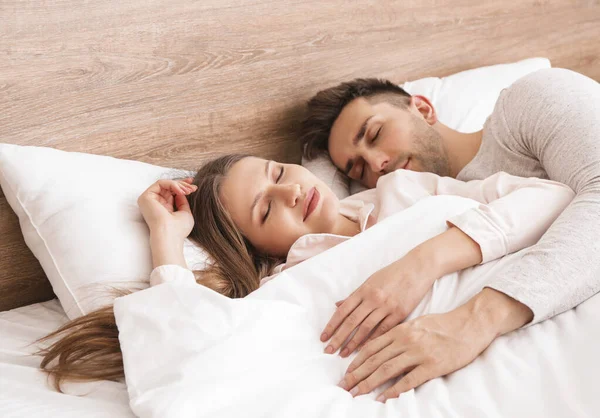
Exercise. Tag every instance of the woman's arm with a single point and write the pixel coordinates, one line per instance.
(166, 248)
(169, 218)
(514, 213)
(446, 253)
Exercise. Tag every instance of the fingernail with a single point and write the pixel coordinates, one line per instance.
(380, 398)
(342, 384)
(329, 349)
(354, 391)
(344, 352)
(324, 337)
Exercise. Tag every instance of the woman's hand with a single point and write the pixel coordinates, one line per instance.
(392, 293)
(385, 299)
(165, 208)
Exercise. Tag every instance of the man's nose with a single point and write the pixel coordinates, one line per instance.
(378, 162)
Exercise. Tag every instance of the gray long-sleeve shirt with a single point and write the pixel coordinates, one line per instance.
(547, 125)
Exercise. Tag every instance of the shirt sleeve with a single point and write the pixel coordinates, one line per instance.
(171, 273)
(514, 212)
(554, 114)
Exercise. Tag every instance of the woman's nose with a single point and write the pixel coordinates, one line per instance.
(289, 193)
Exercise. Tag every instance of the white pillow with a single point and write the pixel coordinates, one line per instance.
(80, 218)
(463, 101)
(322, 167)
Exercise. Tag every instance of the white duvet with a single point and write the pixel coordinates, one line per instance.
(190, 352)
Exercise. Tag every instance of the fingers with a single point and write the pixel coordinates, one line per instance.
(388, 370)
(166, 196)
(175, 187)
(363, 331)
(415, 378)
(349, 324)
(164, 190)
(351, 379)
(387, 324)
(339, 315)
(181, 204)
(368, 351)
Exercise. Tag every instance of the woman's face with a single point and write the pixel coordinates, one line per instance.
(274, 204)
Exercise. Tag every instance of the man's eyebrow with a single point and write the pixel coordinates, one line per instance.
(359, 136)
(259, 195)
(349, 165)
(361, 132)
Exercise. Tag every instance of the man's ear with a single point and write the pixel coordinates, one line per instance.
(422, 105)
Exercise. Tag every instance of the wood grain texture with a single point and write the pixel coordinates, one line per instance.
(177, 82)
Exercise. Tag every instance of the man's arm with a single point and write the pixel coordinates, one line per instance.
(555, 115)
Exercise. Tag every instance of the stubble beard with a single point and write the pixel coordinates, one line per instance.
(429, 149)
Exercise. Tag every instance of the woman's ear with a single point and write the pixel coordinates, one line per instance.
(422, 105)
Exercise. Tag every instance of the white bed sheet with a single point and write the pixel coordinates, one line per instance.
(25, 391)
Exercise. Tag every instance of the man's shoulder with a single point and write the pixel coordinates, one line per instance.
(544, 91)
(532, 105)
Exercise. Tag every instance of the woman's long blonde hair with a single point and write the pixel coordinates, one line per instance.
(87, 348)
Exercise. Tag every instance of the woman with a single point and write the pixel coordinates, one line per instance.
(256, 218)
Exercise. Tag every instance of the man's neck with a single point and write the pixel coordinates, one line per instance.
(461, 148)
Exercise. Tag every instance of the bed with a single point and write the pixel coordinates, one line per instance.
(174, 83)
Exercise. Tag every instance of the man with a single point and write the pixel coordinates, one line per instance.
(545, 125)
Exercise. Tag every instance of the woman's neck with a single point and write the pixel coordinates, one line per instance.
(345, 227)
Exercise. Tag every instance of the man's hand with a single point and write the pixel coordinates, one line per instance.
(433, 345)
(383, 301)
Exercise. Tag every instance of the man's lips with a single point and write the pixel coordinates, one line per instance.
(406, 164)
(310, 202)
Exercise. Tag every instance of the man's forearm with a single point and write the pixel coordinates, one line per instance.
(495, 313)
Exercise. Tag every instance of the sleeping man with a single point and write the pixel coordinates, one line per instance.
(546, 125)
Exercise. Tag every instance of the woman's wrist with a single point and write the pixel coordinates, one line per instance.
(166, 247)
(422, 258)
(451, 251)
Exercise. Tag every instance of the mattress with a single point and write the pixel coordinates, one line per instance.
(26, 392)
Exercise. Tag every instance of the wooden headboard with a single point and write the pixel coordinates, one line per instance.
(175, 82)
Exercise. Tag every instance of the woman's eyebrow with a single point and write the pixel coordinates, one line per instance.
(259, 195)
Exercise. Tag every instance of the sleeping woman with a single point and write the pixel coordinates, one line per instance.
(256, 218)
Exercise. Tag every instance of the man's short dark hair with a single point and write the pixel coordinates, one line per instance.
(325, 107)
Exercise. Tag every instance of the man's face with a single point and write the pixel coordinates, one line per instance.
(371, 138)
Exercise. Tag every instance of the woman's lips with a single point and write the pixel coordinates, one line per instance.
(311, 202)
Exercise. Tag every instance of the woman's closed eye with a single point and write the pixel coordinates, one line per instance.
(270, 201)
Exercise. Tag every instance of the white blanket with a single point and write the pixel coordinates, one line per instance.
(190, 352)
